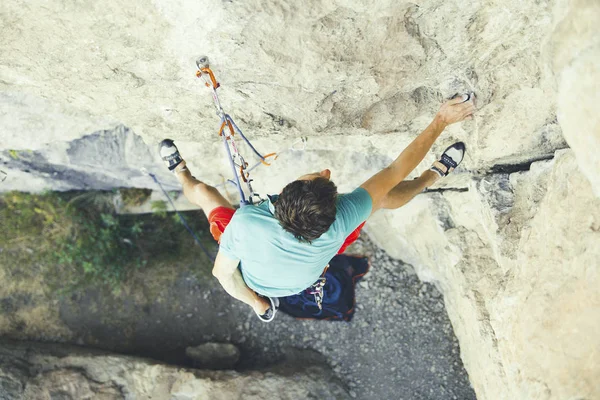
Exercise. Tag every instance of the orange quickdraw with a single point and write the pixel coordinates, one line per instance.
(264, 159)
(208, 71)
(244, 173)
(226, 122)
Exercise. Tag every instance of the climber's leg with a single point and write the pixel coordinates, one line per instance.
(199, 193)
(217, 209)
(405, 191)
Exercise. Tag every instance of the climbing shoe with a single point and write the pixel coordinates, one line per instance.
(169, 153)
(270, 314)
(450, 159)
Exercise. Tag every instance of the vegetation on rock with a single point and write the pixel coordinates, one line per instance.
(76, 238)
(134, 196)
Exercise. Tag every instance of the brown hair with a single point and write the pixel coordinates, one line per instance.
(306, 208)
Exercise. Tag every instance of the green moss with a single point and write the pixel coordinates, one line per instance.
(76, 239)
(159, 208)
(134, 196)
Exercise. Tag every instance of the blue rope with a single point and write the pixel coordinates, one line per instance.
(238, 130)
(183, 221)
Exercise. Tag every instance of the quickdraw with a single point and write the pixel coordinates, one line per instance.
(239, 166)
(317, 289)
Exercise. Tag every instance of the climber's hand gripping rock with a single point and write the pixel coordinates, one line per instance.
(460, 107)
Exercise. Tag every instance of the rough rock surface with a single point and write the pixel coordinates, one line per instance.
(214, 355)
(574, 52)
(517, 258)
(512, 245)
(31, 371)
(355, 76)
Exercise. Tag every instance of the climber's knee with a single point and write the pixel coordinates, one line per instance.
(207, 197)
(201, 192)
(201, 189)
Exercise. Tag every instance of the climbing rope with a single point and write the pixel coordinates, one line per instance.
(236, 161)
(183, 221)
(298, 145)
(227, 130)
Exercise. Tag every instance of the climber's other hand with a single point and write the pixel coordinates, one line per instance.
(457, 109)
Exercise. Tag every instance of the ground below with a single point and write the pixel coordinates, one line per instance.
(400, 344)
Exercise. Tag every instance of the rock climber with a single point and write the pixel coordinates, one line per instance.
(281, 246)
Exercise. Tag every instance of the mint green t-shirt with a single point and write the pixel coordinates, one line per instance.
(273, 262)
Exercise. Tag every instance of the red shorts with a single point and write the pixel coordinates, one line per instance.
(219, 219)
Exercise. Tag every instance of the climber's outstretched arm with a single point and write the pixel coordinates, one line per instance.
(227, 272)
(380, 184)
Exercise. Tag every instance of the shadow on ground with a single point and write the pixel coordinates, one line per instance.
(400, 344)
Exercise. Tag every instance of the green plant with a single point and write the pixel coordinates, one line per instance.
(159, 208)
(78, 239)
(134, 196)
(174, 194)
(96, 200)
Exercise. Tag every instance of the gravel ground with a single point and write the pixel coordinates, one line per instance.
(400, 344)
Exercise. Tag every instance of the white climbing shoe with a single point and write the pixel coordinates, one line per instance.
(450, 159)
(169, 153)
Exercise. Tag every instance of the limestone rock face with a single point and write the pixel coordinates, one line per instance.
(574, 49)
(359, 80)
(32, 371)
(517, 257)
(511, 238)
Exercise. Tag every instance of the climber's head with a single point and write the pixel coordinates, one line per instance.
(306, 207)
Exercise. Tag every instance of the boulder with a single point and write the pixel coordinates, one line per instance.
(35, 371)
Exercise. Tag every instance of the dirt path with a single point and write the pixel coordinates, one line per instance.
(400, 344)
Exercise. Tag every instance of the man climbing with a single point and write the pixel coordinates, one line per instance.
(281, 246)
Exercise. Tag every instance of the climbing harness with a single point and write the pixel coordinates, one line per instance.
(227, 130)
